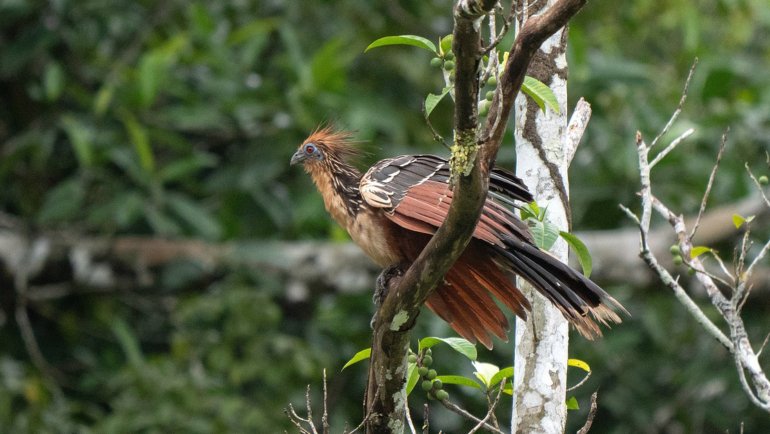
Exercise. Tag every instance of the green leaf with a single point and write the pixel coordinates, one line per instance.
(198, 217)
(577, 363)
(508, 389)
(446, 44)
(53, 81)
(141, 141)
(583, 255)
(415, 41)
(459, 380)
(361, 355)
(431, 101)
(540, 93)
(530, 211)
(63, 202)
(460, 345)
(103, 98)
(160, 222)
(81, 138)
(485, 372)
(187, 166)
(412, 377)
(127, 341)
(572, 404)
(739, 220)
(503, 373)
(544, 233)
(699, 250)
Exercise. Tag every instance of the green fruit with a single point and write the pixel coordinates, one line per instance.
(438, 385)
(490, 95)
(492, 81)
(431, 374)
(678, 260)
(449, 65)
(691, 271)
(435, 62)
(426, 385)
(428, 352)
(675, 250)
(484, 108)
(412, 358)
(449, 55)
(427, 360)
(442, 395)
(763, 180)
(423, 371)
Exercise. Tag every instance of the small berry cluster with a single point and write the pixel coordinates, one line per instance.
(430, 384)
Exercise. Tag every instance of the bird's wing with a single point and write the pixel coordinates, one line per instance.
(414, 192)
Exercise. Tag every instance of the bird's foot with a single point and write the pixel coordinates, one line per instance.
(384, 281)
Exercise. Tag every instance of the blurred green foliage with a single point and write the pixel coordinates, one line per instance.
(177, 119)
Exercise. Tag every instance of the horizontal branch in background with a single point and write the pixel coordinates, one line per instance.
(104, 264)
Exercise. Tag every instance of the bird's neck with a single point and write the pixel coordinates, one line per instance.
(338, 183)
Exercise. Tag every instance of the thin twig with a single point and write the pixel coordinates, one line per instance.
(436, 136)
(296, 419)
(678, 110)
(581, 382)
(408, 417)
(759, 186)
(506, 26)
(674, 143)
(309, 410)
(491, 411)
(762, 347)
(709, 185)
(453, 407)
(426, 419)
(591, 414)
(325, 417)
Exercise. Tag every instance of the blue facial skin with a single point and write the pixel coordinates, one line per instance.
(307, 151)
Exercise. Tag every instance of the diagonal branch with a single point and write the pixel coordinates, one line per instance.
(408, 292)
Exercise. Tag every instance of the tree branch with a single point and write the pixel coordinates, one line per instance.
(408, 293)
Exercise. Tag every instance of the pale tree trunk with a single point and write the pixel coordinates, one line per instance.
(540, 360)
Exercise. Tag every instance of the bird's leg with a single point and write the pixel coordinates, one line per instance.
(384, 281)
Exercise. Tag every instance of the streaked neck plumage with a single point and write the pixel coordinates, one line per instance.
(338, 183)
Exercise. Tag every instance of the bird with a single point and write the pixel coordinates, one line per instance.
(392, 210)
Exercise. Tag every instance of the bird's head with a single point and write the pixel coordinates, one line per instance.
(324, 146)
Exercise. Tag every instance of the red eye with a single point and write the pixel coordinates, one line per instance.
(309, 148)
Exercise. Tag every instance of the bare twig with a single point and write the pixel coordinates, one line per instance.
(409, 422)
(759, 186)
(709, 185)
(491, 411)
(325, 417)
(750, 373)
(591, 414)
(459, 410)
(581, 382)
(674, 143)
(678, 110)
(426, 419)
(577, 125)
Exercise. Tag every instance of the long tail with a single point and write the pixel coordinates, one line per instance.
(465, 300)
(579, 299)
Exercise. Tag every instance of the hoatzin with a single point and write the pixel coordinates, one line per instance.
(392, 210)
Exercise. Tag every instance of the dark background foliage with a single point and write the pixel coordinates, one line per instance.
(176, 120)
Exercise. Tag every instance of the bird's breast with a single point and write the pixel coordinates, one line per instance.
(372, 232)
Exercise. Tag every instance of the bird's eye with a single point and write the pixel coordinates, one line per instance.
(310, 148)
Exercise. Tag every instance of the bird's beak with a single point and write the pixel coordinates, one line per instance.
(298, 157)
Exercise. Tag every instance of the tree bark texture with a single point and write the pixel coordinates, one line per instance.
(540, 359)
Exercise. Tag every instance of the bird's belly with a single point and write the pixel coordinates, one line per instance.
(371, 234)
